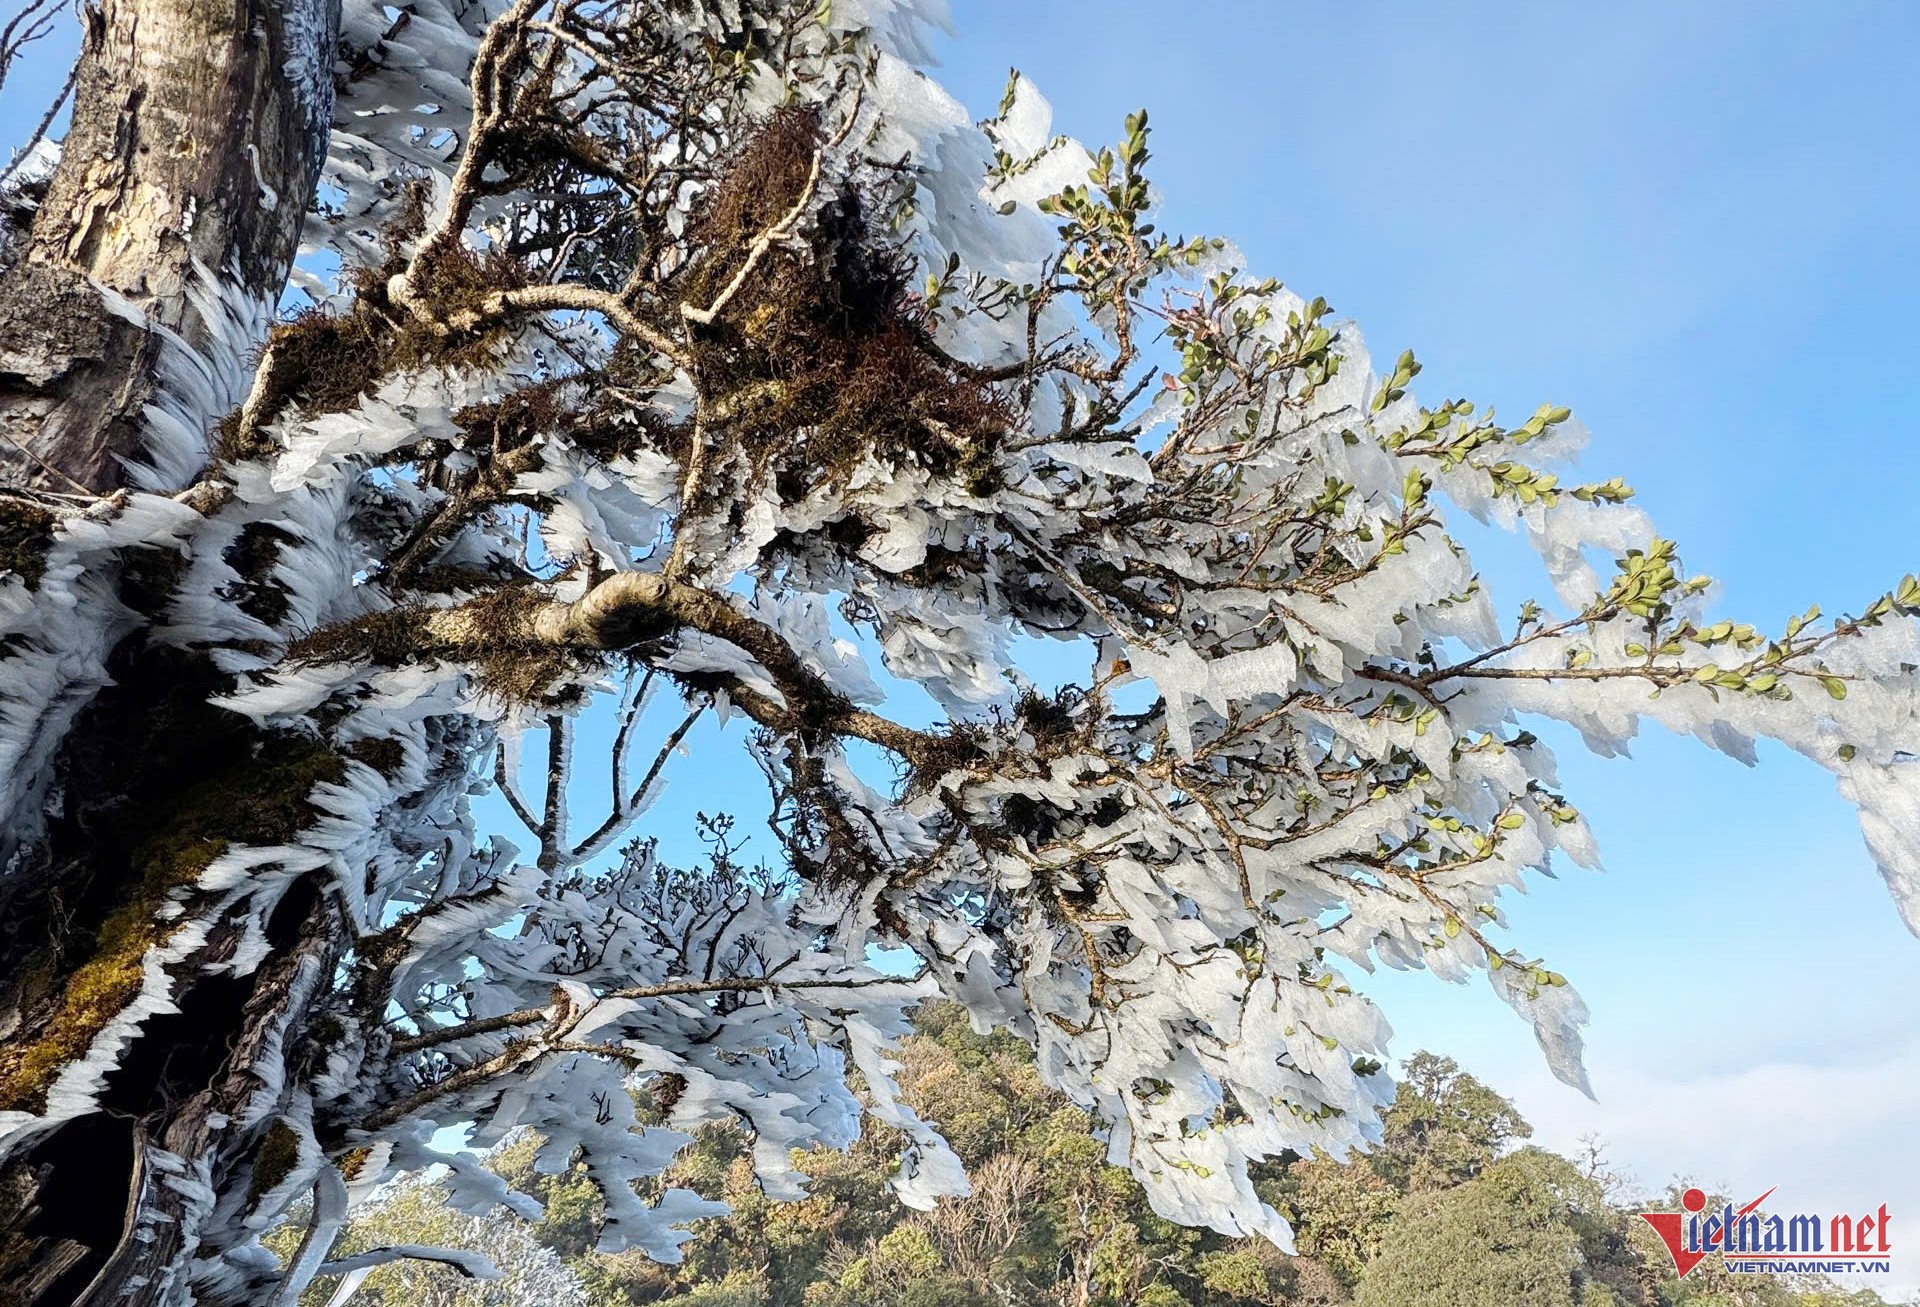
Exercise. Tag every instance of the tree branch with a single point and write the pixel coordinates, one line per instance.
(631, 608)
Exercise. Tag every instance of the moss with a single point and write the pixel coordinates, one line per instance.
(326, 1032)
(26, 533)
(1059, 723)
(958, 747)
(823, 358)
(388, 639)
(94, 995)
(384, 754)
(279, 1154)
(506, 665)
(353, 1162)
(517, 417)
(324, 362)
(512, 669)
(149, 577)
(261, 798)
(451, 578)
(758, 189)
(175, 858)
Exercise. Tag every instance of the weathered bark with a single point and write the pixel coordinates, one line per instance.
(199, 127)
(158, 1216)
(155, 781)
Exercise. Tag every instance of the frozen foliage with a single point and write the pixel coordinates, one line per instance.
(702, 351)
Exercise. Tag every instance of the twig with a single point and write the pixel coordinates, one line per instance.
(46, 125)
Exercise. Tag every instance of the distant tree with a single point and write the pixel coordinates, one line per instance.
(1444, 1127)
(1519, 1233)
(1339, 1211)
(904, 1269)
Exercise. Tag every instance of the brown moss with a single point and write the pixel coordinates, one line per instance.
(353, 1162)
(453, 578)
(1059, 724)
(517, 417)
(279, 1154)
(324, 362)
(26, 533)
(668, 1090)
(388, 639)
(822, 359)
(955, 749)
(593, 410)
(382, 753)
(758, 189)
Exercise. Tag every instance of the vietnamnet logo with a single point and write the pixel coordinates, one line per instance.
(1802, 1244)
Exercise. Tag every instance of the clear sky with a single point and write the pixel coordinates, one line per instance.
(1695, 224)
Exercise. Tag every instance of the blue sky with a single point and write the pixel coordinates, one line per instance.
(1693, 223)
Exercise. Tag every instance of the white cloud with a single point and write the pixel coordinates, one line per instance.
(1840, 1136)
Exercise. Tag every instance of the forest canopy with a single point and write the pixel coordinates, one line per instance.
(1454, 1208)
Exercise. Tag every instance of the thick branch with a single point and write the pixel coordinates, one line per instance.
(631, 608)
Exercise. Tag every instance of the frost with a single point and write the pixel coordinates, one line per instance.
(1141, 713)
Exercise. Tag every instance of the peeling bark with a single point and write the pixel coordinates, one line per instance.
(199, 127)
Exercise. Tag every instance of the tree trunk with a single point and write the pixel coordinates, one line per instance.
(199, 129)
